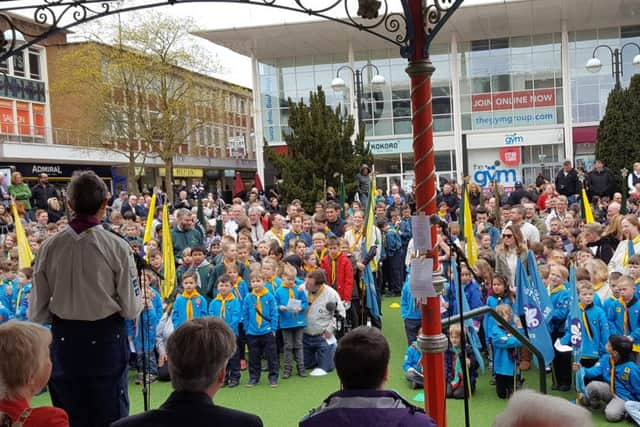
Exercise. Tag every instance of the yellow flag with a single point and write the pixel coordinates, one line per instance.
(369, 218)
(472, 246)
(25, 256)
(167, 256)
(148, 231)
(588, 213)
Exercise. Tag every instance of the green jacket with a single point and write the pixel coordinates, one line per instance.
(185, 239)
(21, 193)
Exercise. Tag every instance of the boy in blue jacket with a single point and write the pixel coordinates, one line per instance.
(505, 353)
(624, 314)
(500, 295)
(20, 296)
(392, 263)
(189, 304)
(620, 379)
(410, 311)
(292, 320)
(472, 291)
(560, 307)
(260, 317)
(229, 308)
(148, 319)
(595, 327)
(454, 367)
(412, 365)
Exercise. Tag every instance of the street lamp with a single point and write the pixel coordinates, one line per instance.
(594, 65)
(339, 85)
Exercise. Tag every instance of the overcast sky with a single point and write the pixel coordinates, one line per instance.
(236, 68)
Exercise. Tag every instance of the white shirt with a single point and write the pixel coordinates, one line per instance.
(530, 232)
(319, 319)
(86, 276)
(615, 264)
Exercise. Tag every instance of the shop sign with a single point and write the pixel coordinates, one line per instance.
(515, 139)
(513, 100)
(184, 172)
(485, 175)
(514, 118)
(391, 146)
(510, 156)
(237, 147)
(56, 170)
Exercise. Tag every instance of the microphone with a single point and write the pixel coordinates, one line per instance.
(331, 306)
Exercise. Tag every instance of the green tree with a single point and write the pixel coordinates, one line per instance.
(319, 149)
(619, 131)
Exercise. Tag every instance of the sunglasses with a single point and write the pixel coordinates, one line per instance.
(507, 235)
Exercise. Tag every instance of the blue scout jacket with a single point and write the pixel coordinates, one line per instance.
(150, 320)
(289, 319)
(232, 311)
(594, 336)
(504, 349)
(627, 377)
(269, 323)
(408, 307)
(179, 313)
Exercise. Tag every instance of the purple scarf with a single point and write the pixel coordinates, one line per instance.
(80, 223)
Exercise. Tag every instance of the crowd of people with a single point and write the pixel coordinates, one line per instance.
(288, 281)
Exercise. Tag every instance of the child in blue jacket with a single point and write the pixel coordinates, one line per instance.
(260, 317)
(624, 314)
(453, 365)
(560, 307)
(412, 365)
(620, 379)
(595, 327)
(226, 306)
(500, 295)
(20, 296)
(292, 321)
(148, 319)
(505, 353)
(472, 291)
(189, 304)
(411, 313)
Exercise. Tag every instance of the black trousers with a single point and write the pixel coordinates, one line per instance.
(411, 328)
(504, 386)
(89, 375)
(562, 373)
(262, 346)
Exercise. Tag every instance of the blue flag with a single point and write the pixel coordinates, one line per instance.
(540, 293)
(527, 305)
(370, 289)
(474, 339)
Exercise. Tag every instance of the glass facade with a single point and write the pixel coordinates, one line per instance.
(511, 82)
(589, 91)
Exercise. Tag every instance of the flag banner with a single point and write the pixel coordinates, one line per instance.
(588, 213)
(25, 256)
(527, 305)
(148, 229)
(167, 256)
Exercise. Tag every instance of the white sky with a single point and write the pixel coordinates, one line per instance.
(236, 68)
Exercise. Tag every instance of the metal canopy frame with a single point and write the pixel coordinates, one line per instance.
(373, 17)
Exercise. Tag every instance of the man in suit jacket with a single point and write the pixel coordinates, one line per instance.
(196, 376)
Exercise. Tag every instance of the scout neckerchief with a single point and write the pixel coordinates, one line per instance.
(457, 368)
(625, 318)
(231, 262)
(597, 286)
(190, 296)
(320, 256)
(334, 268)
(557, 289)
(290, 286)
(313, 297)
(236, 289)
(272, 282)
(585, 319)
(279, 235)
(259, 295)
(223, 303)
(247, 263)
(630, 250)
(357, 235)
(19, 299)
(308, 269)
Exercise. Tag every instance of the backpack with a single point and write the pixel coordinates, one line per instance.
(5, 421)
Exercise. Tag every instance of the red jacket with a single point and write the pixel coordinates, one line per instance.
(45, 416)
(344, 275)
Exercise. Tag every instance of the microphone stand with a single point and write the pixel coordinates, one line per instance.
(141, 266)
(460, 257)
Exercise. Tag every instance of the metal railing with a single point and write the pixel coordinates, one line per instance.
(506, 325)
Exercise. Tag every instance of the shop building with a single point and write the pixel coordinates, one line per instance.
(511, 95)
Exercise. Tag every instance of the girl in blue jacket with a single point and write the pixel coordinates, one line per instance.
(505, 353)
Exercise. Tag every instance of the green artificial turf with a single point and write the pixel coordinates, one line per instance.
(287, 404)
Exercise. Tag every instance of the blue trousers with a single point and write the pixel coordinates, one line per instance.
(317, 353)
(89, 375)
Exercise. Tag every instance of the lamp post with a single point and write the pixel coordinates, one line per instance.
(617, 67)
(623, 208)
(339, 85)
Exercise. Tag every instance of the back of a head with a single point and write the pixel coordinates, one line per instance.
(211, 344)
(527, 408)
(86, 193)
(362, 358)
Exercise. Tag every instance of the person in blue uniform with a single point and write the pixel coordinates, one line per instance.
(85, 284)
(228, 307)
(189, 304)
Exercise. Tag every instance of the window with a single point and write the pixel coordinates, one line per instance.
(34, 64)
(18, 65)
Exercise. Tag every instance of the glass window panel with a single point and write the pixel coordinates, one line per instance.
(368, 128)
(304, 81)
(588, 113)
(588, 94)
(465, 104)
(442, 123)
(383, 127)
(466, 121)
(441, 105)
(542, 83)
(402, 108)
(481, 85)
(501, 83)
(322, 62)
(34, 64)
(440, 90)
(401, 126)
(630, 31)
(18, 64)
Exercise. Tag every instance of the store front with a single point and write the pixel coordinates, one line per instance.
(394, 162)
(59, 174)
(507, 157)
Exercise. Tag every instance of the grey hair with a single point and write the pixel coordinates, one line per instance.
(255, 210)
(198, 351)
(182, 212)
(527, 408)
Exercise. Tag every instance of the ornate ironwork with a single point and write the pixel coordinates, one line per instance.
(54, 16)
(436, 13)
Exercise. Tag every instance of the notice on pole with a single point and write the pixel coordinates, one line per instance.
(421, 230)
(421, 279)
